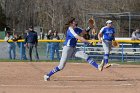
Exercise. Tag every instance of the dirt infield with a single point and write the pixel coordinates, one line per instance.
(75, 78)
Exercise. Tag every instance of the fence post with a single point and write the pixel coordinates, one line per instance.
(122, 53)
(21, 45)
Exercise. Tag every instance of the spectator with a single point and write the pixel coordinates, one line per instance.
(41, 35)
(87, 36)
(55, 46)
(32, 42)
(94, 35)
(135, 36)
(11, 46)
(19, 37)
(48, 44)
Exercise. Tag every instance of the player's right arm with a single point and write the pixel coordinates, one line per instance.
(100, 35)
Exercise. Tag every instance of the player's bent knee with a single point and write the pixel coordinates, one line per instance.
(81, 54)
(60, 67)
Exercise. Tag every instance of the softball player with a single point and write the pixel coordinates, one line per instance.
(69, 49)
(107, 34)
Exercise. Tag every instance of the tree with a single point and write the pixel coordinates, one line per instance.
(53, 14)
(2, 19)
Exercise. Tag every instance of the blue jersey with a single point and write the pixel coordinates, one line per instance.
(70, 36)
(108, 33)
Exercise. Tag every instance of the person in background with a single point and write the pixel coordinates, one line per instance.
(94, 35)
(87, 36)
(136, 36)
(31, 42)
(54, 46)
(11, 46)
(107, 33)
(19, 37)
(48, 44)
(41, 35)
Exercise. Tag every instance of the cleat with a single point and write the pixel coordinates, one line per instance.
(100, 67)
(107, 65)
(46, 78)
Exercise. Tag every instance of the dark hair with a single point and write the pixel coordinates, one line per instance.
(31, 27)
(10, 33)
(56, 32)
(70, 20)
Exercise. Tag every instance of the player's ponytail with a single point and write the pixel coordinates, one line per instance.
(69, 21)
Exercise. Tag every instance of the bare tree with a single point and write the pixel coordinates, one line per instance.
(52, 14)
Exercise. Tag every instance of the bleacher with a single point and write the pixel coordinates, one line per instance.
(123, 53)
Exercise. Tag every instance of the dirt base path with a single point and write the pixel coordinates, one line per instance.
(75, 78)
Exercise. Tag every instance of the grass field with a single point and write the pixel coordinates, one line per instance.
(27, 77)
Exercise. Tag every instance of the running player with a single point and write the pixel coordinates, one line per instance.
(107, 34)
(69, 49)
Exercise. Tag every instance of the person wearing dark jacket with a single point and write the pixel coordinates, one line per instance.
(31, 43)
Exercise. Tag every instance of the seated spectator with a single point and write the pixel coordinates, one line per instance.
(11, 46)
(136, 36)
